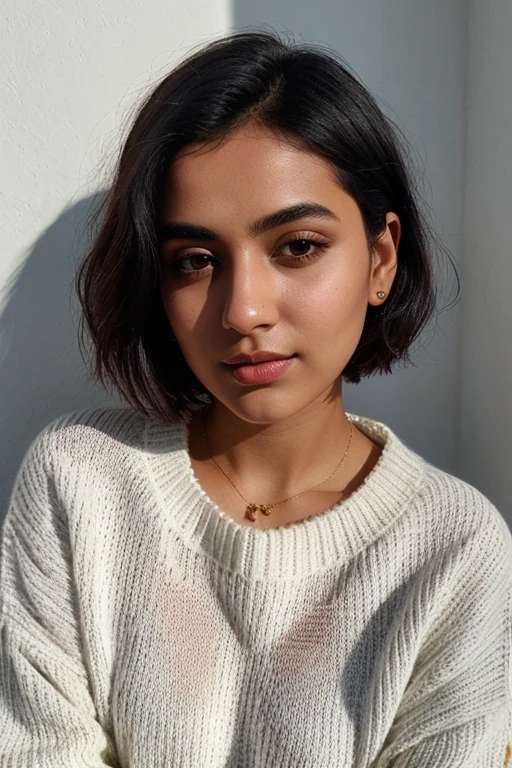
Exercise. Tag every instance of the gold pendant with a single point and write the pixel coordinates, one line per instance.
(251, 509)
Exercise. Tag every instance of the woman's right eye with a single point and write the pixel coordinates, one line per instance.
(194, 262)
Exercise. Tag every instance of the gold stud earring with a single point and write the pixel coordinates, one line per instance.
(380, 294)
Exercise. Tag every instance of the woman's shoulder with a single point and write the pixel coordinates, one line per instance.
(458, 511)
(84, 454)
(81, 428)
(441, 508)
(88, 436)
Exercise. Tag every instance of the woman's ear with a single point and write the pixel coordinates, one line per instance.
(384, 259)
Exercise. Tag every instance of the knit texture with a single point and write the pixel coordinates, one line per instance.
(142, 627)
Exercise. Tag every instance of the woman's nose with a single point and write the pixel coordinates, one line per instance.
(249, 294)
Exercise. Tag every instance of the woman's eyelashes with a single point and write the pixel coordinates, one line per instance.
(303, 244)
(296, 251)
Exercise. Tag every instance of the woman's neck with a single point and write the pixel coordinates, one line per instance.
(274, 461)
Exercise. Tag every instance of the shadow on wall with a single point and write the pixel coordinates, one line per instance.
(42, 374)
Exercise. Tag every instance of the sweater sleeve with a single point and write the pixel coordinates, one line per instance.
(456, 709)
(47, 714)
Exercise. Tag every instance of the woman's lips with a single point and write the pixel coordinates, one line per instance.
(260, 373)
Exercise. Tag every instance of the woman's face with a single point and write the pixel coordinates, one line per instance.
(262, 249)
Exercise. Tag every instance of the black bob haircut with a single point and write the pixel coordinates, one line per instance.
(301, 92)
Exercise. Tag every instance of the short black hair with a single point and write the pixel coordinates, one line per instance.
(303, 92)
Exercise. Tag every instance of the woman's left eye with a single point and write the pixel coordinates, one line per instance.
(302, 248)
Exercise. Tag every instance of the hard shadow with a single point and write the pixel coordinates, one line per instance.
(42, 374)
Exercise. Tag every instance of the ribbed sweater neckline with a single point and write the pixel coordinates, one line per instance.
(291, 551)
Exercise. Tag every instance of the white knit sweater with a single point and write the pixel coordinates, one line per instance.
(142, 627)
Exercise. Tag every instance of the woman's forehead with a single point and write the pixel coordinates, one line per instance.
(249, 169)
(250, 146)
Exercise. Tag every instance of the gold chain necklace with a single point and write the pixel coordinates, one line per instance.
(251, 509)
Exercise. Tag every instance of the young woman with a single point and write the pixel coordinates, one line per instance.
(232, 570)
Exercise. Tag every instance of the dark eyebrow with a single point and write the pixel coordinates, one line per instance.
(184, 231)
(293, 213)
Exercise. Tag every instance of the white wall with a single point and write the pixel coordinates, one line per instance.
(485, 405)
(72, 70)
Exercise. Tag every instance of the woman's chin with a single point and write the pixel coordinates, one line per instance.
(265, 407)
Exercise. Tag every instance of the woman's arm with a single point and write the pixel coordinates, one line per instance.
(47, 715)
(456, 710)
